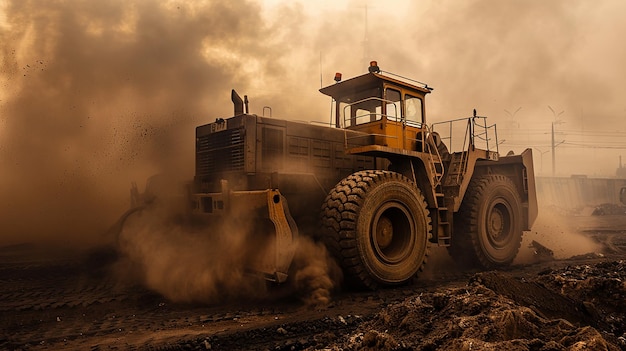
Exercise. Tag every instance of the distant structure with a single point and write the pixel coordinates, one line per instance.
(621, 171)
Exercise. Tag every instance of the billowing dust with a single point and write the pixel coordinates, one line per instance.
(213, 261)
(94, 95)
(316, 273)
(558, 234)
(566, 211)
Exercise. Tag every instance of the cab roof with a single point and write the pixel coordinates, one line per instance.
(368, 81)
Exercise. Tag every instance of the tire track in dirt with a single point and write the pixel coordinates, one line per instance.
(60, 303)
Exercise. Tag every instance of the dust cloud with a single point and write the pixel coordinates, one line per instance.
(208, 260)
(213, 263)
(95, 95)
(317, 274)
(186, 264)
(557, 233)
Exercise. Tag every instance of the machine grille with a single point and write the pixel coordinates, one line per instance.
(220, 152)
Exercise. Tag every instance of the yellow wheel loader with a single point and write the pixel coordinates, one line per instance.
(378, 185)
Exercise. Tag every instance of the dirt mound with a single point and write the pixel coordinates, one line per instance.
(63, 301)
(575, 308)
(600, 287)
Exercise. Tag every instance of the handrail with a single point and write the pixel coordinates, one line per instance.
(476, 130)
(268, 108)
(465, 154)
(433, 146)
(345, 119)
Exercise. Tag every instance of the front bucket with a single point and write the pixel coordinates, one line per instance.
(264, 213)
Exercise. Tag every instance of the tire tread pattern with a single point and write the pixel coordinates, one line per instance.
(339, 215)
(466, 247)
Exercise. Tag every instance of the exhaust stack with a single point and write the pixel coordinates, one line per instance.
(237, 102)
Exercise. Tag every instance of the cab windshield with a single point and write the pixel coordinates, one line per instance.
(368, 107)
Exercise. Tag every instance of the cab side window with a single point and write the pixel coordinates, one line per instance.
(392, 104)
(413, 109)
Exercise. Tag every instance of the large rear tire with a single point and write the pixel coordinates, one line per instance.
(377, 226)
(488, 226)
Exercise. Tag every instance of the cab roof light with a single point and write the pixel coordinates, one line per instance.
(374, 67)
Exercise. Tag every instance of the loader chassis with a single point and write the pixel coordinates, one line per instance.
(303, 161)
(378, 189)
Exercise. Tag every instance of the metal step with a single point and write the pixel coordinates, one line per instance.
(443, 229)
(444, 240)
(439, 168)
(440, 199)
(455, 170)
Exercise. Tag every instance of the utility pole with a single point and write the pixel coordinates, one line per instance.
(553, 155)
(554, 145)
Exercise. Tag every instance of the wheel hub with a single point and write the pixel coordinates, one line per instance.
(499, 230)
(384, 232)
(392, 233)
(496, 223)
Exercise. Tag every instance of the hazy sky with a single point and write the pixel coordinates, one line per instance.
(96, 94)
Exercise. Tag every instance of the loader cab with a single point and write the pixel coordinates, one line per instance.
(390, 110)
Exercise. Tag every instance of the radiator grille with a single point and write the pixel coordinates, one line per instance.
(220, 152)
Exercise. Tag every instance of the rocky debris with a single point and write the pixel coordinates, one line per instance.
(600, 287)
(573, 304)
(576, 308)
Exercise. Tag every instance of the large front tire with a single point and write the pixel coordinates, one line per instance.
(377, 225)
(488, 226)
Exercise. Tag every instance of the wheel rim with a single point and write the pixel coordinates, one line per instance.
(499, 225)
(392, 231)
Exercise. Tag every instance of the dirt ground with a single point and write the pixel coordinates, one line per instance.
(53, 299)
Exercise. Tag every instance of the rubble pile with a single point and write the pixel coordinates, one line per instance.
(575, 308)
(600, 287)
(70, 302)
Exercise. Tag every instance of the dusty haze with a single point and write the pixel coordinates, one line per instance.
(94, 95)
(186, 261)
